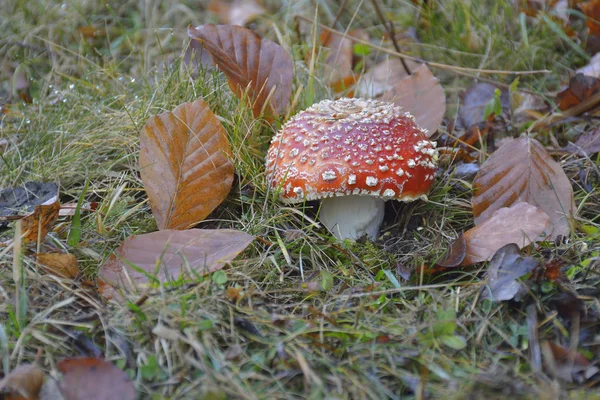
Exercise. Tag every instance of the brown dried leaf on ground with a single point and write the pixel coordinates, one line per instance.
(250, 63)
(36, 204)
(339, 59)
(588, 143)
(422, 95)
(520, 223)
(63, 265)
(23, 382)
(591, 9)
(580, 89)
(383, 77)
(37, 225)
(474, 101)
(523, 171)
(237, 12)
(200, 251)
(567, 364)
(455, 254)
(504, 271)
(185, 164)
(94, 378)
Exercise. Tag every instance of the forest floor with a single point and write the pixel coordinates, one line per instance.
(298, 314)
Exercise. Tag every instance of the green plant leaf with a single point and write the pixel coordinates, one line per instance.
(75, 231)
(219, 277)
(454, 342)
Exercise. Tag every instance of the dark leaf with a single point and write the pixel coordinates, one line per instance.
(475, 100)
(580, 88)
(504, 271)
(455, 254)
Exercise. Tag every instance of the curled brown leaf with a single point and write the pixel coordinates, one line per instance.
(250, 63)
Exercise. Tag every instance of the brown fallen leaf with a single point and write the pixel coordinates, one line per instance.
(64, 265)
(504, 271)
(586, 144)
(23, 382)
(567, 364)
(20, 85)
(37, 225)
(523, 171)
(36, 204)
(185, 164)
(87, 378)
(474, 101)
(455, 255)
(168, 254)
(521, 223)
(580, 88)
(250, 63)
(238, 12)
(591, 9)
(422, 95)
(339, 59)
(383, 77)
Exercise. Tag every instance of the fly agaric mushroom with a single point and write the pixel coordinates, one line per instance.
(354, 154)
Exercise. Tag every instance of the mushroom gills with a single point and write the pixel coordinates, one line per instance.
(350, 217)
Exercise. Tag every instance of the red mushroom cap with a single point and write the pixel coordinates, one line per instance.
(351, 147)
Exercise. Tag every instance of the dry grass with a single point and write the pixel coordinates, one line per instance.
(300, 315)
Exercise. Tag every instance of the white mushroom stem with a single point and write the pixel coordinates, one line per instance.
(350, 217)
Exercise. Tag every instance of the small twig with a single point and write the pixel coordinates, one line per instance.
(585, 106)
(389, 27)
(458, 70)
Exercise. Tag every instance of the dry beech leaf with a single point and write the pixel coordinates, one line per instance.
(591, 9)
(383, 77)
(520, 223)
(180, 252)
(474, 101)
(36, 204)
(24, 382)
(238, 12)
(63, 265)
(250, 63)
(339, 60)
(87, 378)
(586, 144)
(37, 225)
(455, 254)
(504, 271)
(185, 165)
(523, 171)
(422, 95)
(580, 89)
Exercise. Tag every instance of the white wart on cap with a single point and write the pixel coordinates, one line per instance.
(351, 147)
